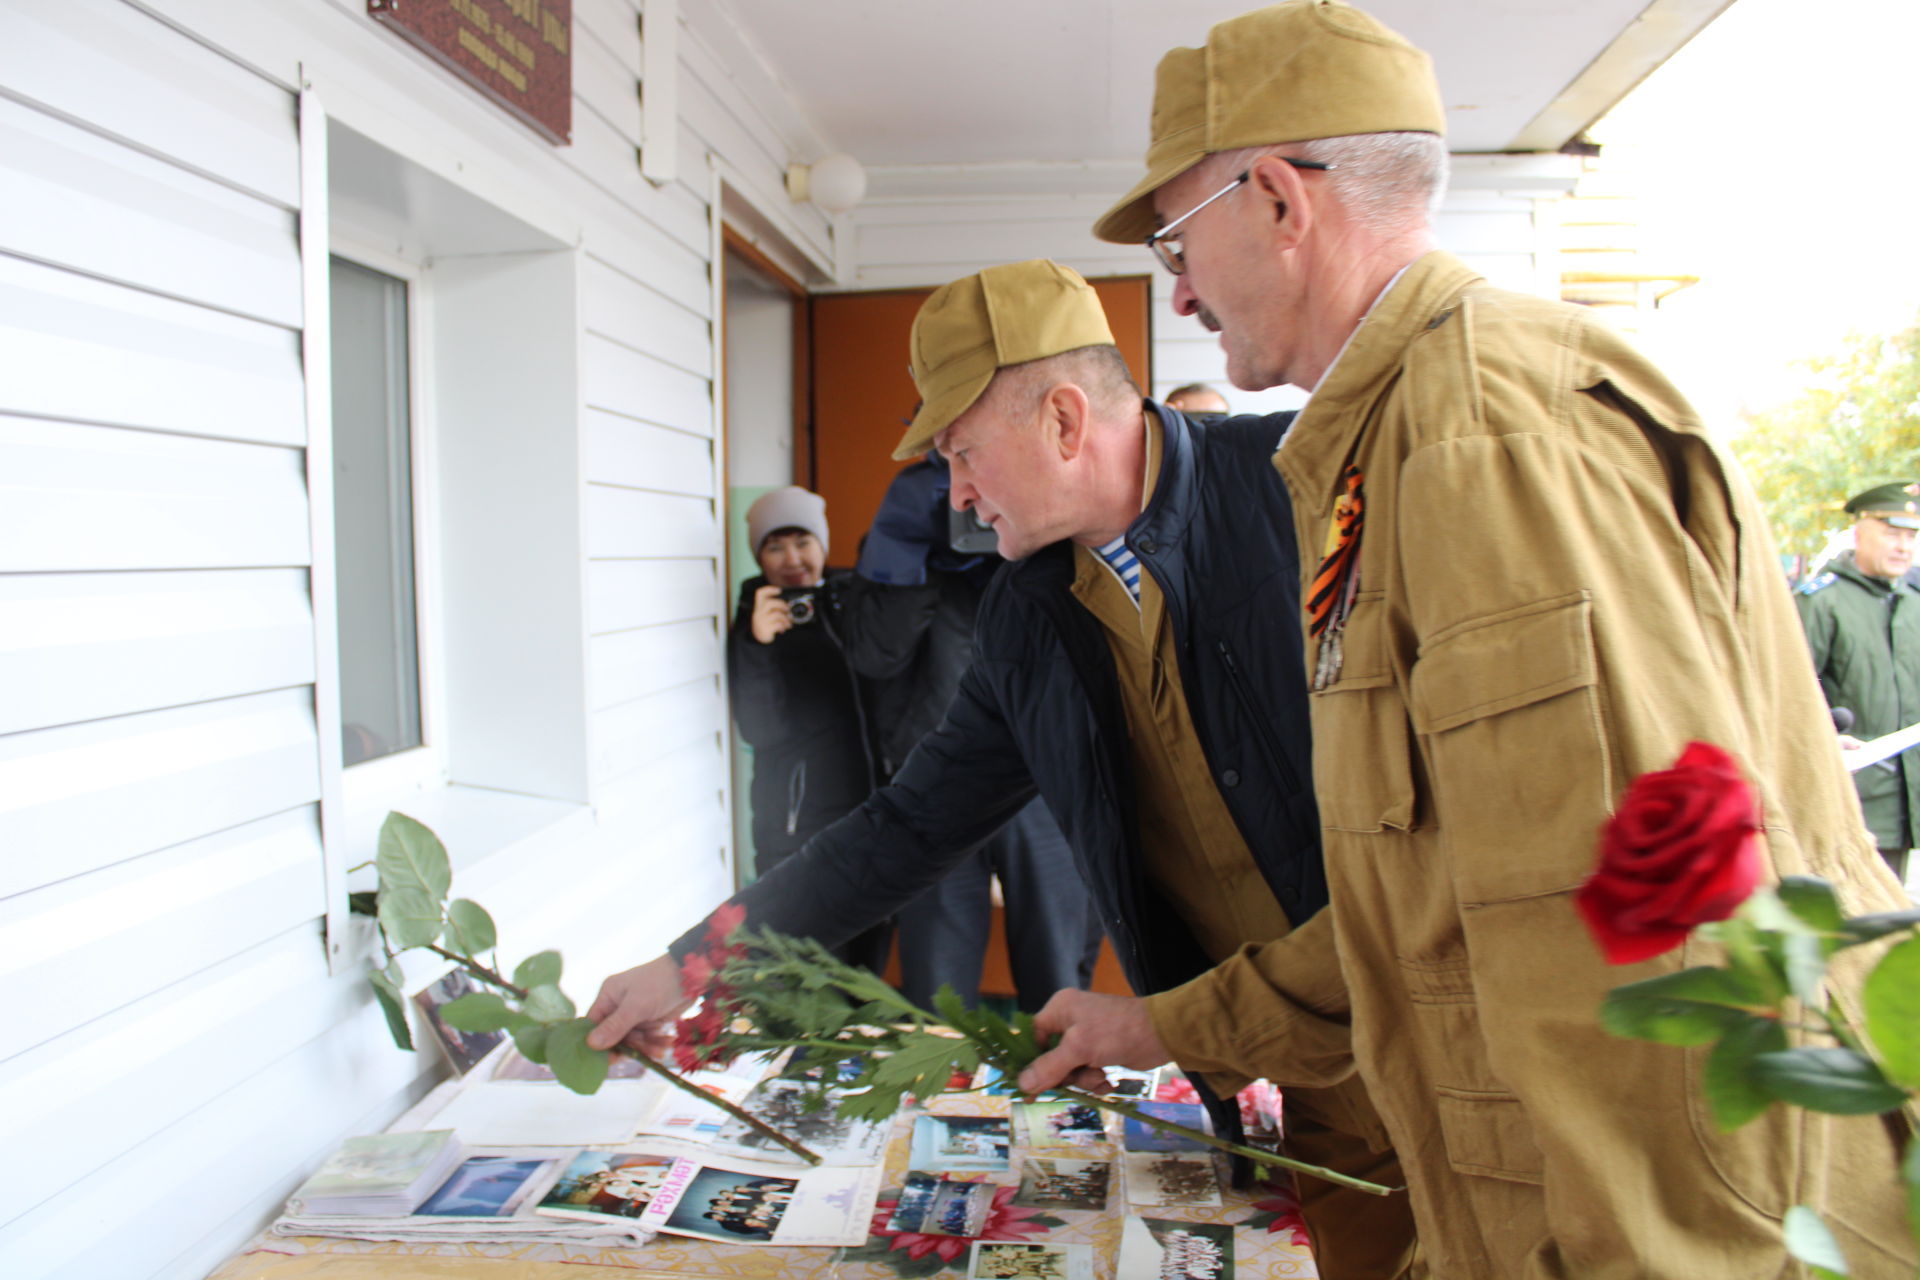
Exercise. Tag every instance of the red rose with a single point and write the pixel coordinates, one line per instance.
(1682, 849)
(722, 923)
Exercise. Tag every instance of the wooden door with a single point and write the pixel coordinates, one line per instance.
(863, 396)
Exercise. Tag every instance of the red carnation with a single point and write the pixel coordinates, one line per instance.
(1683, 849)
(722, 923)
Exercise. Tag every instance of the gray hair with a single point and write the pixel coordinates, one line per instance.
(1389, 182)
(1100, 371)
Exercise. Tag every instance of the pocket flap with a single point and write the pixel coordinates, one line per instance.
(1502, 661)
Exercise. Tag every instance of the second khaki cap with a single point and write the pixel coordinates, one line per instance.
(969, 330)
(1287, 73)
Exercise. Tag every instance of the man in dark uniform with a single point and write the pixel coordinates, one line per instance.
(1862, 619)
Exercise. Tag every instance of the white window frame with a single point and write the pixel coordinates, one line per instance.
(392, 781)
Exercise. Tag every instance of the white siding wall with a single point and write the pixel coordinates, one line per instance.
(177, 1048)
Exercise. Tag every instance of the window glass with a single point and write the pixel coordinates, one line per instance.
(373, 514)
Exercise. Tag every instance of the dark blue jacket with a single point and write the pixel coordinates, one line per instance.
(1039, 710)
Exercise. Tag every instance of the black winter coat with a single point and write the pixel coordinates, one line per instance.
(913, 644)
(800, 707)
(1039, 710)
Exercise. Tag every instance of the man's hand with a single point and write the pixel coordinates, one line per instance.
(639, 1007)
(771, 614)
(1850, 743)
(1094, 1031)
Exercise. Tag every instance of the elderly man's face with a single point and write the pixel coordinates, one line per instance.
(1007, 467)
(1233, 283)
(792, 558)
(1881, 550)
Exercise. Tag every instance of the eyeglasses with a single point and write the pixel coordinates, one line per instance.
(1166, 245)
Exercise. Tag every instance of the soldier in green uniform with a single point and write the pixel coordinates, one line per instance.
(1862, 619)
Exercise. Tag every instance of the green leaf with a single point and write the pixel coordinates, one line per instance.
(386, 986)
(1812, 901)
(1891, 997)
(921, 1066)
(1910, 1173)
(1732, 1093)
(1804, 957)
(470, 927)
(530, 1038)
(547, 1003)
(411, 857)
(478, 1011)
(1870, 928)
(1837, 1081)
(1809, 1240)
(1691, 1007)
(539, 969)
(409, 917)
(581, 1069)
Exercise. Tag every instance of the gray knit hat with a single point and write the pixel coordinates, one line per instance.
(788, 508)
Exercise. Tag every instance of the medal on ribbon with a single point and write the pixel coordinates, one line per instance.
(1337, 580)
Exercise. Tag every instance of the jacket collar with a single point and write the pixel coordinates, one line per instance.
(1170, 508)
(1323, 437)
(1847, 567)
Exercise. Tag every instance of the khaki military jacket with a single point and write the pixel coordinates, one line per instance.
(1561, 583)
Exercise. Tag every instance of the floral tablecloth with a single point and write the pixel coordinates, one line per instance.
(1269, 1242)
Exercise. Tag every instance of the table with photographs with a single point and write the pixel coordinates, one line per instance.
(1249, 1234)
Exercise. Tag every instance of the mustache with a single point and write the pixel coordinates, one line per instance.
(1207, 319)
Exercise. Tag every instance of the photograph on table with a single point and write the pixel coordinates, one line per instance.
(806, 1113)
(606, 1184)
(514, 1065)
(1162, 1249)
(1138, 1136)
(1063, 1184)
(1171, 1178)
(488, 1187)
(747, 1201)
(948, 1143)
(464, 1049)
(994, 1260)
(942, 1206)
(1058, 1126)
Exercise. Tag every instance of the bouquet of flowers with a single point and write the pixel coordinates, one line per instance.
(760, 992)
(1682, 853)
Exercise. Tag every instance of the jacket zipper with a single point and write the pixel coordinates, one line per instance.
(1275, 758)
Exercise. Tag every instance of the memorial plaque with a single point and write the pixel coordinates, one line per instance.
(517, 52)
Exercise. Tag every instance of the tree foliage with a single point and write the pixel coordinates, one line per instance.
(1856, 426)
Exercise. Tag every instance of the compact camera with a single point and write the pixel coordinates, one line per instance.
(799, 603)
(969, 534)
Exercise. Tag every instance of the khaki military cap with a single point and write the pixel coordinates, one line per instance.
(968, 330)
(1287, 73)
(1897, 503)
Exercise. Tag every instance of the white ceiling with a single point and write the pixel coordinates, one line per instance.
(993, 82)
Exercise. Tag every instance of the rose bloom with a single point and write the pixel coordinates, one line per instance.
(1683, 849)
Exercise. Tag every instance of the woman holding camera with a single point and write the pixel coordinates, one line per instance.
(797, 702)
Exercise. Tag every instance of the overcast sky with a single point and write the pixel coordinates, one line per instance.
(1778, 158)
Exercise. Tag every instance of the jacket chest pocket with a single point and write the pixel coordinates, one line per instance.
(1361, 744)
(1508, 710)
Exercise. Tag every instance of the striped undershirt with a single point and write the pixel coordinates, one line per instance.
(1125, 567)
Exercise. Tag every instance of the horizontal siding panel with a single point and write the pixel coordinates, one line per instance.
(630, 523)
(660, 725)
(605, 86)
(1485, 232)
(258, 1071)
(685, 780)
(82, 948)
(124, 73)
(963, 243)
(83, 497)
(78, 200)
(81, 797)
(633, 664)
(605, 157)
(640, 455)
(87, 646)
(636, 316)
(622, 594)
(626, 382)
(71, 347)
